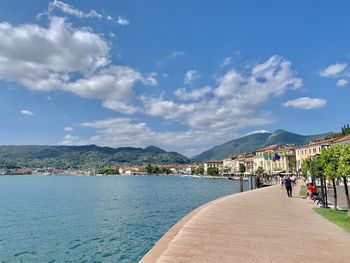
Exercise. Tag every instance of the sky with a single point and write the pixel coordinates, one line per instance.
(181, 75)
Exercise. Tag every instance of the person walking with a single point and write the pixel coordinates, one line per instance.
(288, 186)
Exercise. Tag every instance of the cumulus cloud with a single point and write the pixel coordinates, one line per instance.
(62, 57)
(68, 129)
(191, 76)
(333, 70)
(32, 54)
(119, 132)
(122, 21)
(72, 140)
(209, 115)
(342, 82)
(195, 94)
(234, 103)
(305, 103)
(27, 112)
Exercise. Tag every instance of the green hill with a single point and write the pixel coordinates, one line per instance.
(253, 142)
(87, 156)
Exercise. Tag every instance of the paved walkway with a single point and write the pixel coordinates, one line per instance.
(263, 225)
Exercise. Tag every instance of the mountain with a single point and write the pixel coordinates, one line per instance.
(87, 156)
(253, 142)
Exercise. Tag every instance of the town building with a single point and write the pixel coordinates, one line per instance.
(264, 157)
(213, 164)
(310, 150)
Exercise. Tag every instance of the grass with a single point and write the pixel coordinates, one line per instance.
(339, 218)
(302, 191)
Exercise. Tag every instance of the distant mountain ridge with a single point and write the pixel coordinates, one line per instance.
(86, 156)
(254, 141)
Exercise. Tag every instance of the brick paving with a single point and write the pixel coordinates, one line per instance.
(263, 225)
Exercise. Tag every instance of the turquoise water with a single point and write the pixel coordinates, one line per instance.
(94, 219)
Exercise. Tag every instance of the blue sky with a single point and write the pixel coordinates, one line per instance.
(181, 75)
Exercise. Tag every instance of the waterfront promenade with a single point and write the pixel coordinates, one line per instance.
(263, 225)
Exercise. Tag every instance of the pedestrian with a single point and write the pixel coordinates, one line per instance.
(288, 186)
(282, 181)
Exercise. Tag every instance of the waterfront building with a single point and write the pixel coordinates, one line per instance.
(249, 163)
(213, 164)
(310, 150)
(228, 165)
(284, 160)
(263, 158)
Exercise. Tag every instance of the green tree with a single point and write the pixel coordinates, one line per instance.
(213, 171)
(305, 167)
(149, 169)
(200, 170)
(259, 170)
(330, 160)
(242, 168)
(344, 170)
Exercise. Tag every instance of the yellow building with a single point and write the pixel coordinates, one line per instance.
(310, 150)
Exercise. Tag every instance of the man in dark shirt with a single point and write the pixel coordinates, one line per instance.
(288, 185)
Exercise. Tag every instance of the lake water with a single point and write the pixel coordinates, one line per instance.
(95, 219)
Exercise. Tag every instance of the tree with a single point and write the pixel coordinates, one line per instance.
(200, 170)
(149, 169)
(317, 171)
(259, 170)
(330, 161)
(242, 168)
(213, 171)
(305, 167)
(344, 170)
(109, 170)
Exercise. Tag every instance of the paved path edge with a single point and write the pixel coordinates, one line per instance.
(162, 244)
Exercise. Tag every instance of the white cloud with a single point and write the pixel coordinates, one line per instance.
(27, 112)
(42, 58)
(46, 59)
(68, 129)
(333, 70)
(226, 61)
(70, 10)
(342, 82)
(120, 106)
(305, 103)
(211, 116)
(122, 21)
(191, 76)
(195, 94)
(119, 132)
(72, 140)
(234, 103)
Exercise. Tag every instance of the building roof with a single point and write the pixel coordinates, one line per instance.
(342, 139)
(269, 148)
(213, 161)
